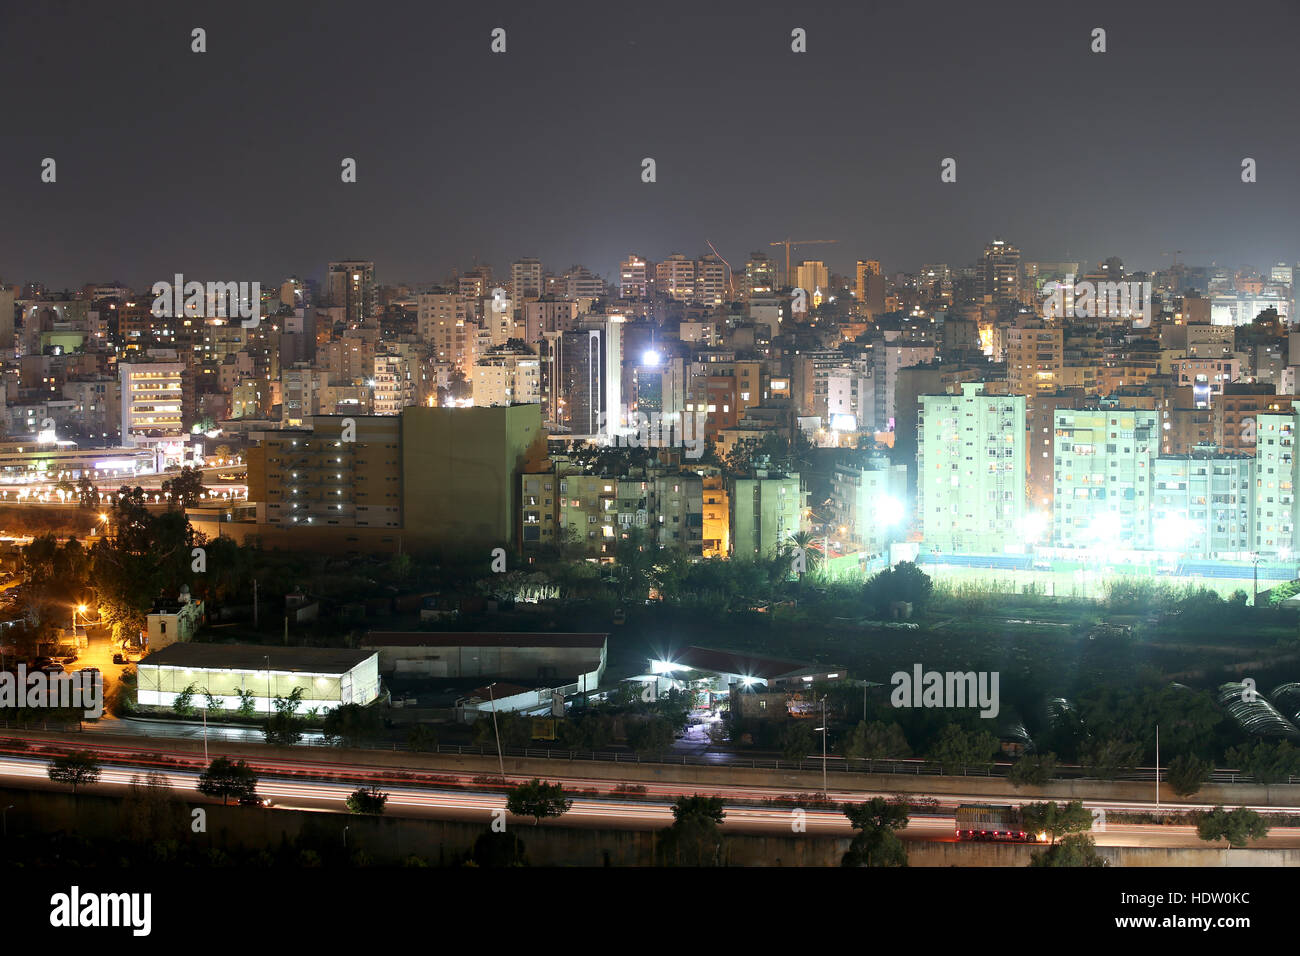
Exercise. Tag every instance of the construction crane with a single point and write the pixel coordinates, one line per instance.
(798, 242)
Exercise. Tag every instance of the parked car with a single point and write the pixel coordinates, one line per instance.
(254, 801)
(119, 659)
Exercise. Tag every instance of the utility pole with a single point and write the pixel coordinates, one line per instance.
(1157, 768)
(825, 792)
(501, 764)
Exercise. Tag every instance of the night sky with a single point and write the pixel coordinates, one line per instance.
(226, 164)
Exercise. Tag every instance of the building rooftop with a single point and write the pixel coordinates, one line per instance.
(253, 657)
(480, 639)
(741, 663)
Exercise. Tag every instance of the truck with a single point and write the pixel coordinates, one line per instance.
(999, 823)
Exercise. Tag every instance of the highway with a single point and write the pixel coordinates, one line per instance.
(440, 801)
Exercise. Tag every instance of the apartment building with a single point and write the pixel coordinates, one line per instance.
(971, 471)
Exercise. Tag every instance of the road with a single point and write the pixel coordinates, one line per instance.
(652, 811)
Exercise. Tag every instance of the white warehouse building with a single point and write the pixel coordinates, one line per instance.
(329, 677)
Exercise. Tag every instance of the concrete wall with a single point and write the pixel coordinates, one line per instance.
(388, 840)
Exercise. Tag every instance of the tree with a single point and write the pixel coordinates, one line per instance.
(694, 839)
(225, 778)
(959, 749)
(1186, 773)
(795, 739)
(1056, 819)
(183, 702)
(876, 844)
(1106, 759)
(803, 542)
(352, 724)
(422, 737)
(903, 582)
(284, 726)
(78, 768)
(153, 810)
(651, 736)
(876, 741)
(247, 702)
(87, 493)
(537, 800)
(1076, 850)
(1266, 762)
(367, 800)
(1033, 770)
(185, 489)
(1238, 826)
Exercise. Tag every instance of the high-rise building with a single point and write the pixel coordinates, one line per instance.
(582, 283)
(583, 377)
(760, 275)
(6, 319)
(812, 276)
(441, 321)
(504, 376)
(351, 286)
(1104, 460)
(999, 272)
(1035, 356)
(152, 402)
(675, 278)
(393, 384)
(1203, 504)
(765, 511)
(545, 315)
(633, 281)
(868, 500)
(711, 280)
(869, 287)
(337, 470)
(1277, 471)
(525, 281)
(461, 469)
(971, 471)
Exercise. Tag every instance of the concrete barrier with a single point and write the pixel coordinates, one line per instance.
(391, 840)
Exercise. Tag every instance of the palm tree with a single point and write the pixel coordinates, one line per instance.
(803, 541)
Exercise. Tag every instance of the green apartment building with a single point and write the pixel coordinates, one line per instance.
(971, 471)
(1104, 462)
(1275, 482)
(1203, 504)
(765, 511)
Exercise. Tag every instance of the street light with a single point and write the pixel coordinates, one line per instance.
(822, 728)
(501, 764)
(4, 816)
